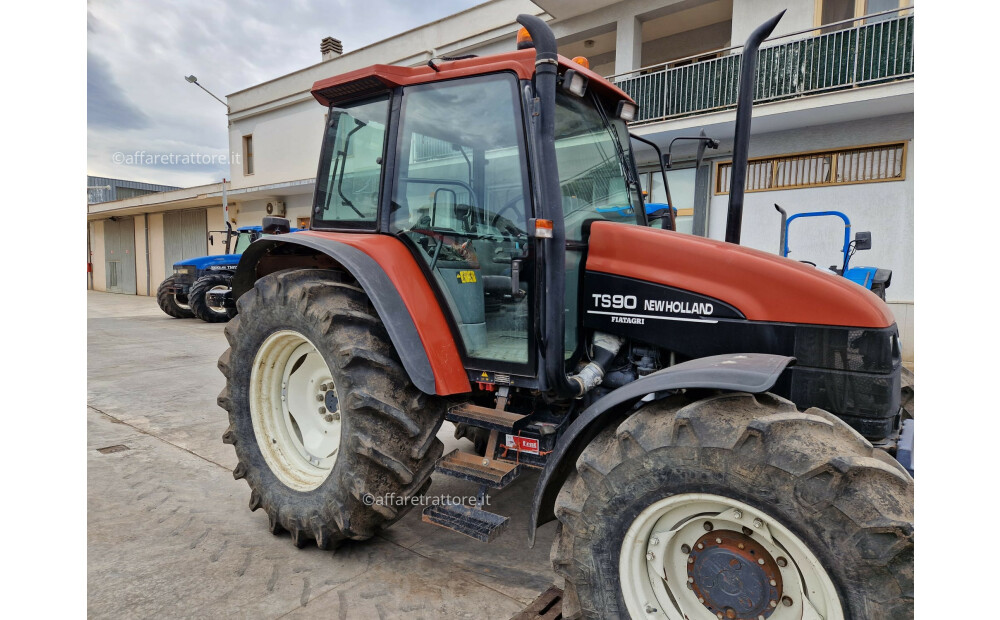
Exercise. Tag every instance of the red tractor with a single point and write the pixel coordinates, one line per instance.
(716, 427)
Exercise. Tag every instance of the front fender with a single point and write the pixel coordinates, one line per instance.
(740, 372)
(394, 283)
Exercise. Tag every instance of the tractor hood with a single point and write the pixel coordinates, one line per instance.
(759, 286)
(227, 261)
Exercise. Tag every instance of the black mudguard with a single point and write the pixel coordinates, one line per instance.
(372, 278)
(740, 372)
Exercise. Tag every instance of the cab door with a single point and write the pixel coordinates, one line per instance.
(460, 200)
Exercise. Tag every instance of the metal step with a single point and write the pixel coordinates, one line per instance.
(493, 419)
(472, 522)
(465, 466)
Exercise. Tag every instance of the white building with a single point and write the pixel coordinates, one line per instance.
(832, 129)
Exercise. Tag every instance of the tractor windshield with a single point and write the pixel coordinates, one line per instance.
(594, 165)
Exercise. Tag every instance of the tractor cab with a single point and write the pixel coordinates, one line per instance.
(447, 163)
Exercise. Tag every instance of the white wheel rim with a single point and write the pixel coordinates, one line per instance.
(180, 304)
(216, 288)
(295, 410)
(654, 566)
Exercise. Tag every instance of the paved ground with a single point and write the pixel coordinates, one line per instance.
(168, 529)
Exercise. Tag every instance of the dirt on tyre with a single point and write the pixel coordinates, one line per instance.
(169, 303)
(330, 434)
(198, 297)
(735, 506)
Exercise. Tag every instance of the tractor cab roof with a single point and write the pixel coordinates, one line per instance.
(379, 78)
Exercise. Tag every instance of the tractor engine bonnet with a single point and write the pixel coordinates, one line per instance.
(702, 297)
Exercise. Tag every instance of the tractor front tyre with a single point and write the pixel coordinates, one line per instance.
(330, 434)
(168, 302)
(735, 506)
(198, 297)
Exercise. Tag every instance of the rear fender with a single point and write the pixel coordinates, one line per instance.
(394, 283)
(742, 372)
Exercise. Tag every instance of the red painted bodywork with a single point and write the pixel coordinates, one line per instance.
(521, 62)
(399, 264)
(764, 287)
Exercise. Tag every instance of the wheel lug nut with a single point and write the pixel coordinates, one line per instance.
(685, 548)
(761, 561)
(708, 526)
(737, 514)
(773, 582)
(701, 546)
(690, 560)
(322, 409)
(650, 556)
(320, 397)
(774, 603)
(718, 541)
(650, 609)
(329, 418)
(786, 601)
(757, 523)
(782, 562)
(654, 541)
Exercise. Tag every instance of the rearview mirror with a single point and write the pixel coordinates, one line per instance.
(863, 241)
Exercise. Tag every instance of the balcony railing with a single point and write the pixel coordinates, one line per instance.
(870, 53)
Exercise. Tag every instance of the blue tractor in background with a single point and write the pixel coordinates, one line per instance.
(872, 278)
(185, 294)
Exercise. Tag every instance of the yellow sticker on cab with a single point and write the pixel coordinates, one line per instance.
(467, 277)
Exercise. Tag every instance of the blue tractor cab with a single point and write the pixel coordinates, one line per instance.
(872, 278)
(185, 294)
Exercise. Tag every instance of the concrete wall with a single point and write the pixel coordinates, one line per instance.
(216, 221)
(252, 212)
(286, 144)
(885, 209)
(97, 255)
(705, 39)
(156, 262)
(748, 14)
(140, 256)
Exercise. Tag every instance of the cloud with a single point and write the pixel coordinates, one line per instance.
(139, 53)
(107, 103)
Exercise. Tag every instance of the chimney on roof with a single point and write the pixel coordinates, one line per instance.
(331, 48)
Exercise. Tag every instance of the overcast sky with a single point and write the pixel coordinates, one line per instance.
(140, 109)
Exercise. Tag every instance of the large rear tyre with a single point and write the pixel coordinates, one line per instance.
(198, 297)
(169, 302)
(735, 506)
(330, 434)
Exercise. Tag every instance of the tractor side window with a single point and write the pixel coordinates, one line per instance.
(459, 199)
(347, 190)
(243, 241)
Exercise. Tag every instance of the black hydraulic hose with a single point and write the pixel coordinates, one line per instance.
(552, 252)
(741, 139)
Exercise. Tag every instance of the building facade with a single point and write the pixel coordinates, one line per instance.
(832, 127)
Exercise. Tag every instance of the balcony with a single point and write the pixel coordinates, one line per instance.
(873, 49)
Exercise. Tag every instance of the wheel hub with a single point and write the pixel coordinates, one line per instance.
(734, 576)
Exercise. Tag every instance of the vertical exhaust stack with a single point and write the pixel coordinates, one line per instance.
(741, 139)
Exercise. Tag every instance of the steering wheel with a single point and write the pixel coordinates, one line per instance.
(507, 207)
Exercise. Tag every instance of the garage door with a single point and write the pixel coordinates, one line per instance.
(119, 255)
(184, 236)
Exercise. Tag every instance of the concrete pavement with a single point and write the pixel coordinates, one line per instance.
(169, 532)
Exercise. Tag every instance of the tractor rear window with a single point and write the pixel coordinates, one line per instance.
(347, 190)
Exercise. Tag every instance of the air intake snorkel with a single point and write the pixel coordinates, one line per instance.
(551, 251)
(741, 139)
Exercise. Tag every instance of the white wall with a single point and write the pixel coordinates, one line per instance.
(748, 14)
(885, 209)
(286, 144)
